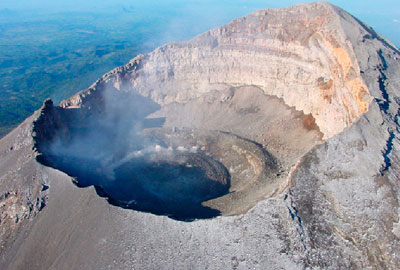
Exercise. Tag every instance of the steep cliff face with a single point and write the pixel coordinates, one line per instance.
(347, 189)
(301, 55)
(300, 105)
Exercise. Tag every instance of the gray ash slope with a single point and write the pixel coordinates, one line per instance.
(310, 85)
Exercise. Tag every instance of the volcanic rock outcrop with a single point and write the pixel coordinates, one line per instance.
(267, 143)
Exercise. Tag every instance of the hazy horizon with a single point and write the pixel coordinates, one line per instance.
(383, 16)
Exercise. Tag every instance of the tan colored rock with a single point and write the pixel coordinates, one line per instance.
(308, 63)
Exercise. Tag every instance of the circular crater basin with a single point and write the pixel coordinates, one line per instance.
(216, 155)
(185, 174)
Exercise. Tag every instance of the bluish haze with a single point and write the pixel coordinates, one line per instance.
(383, 16)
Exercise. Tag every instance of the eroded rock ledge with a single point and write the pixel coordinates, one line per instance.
(309, 63)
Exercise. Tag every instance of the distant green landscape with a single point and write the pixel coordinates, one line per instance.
(58, 55)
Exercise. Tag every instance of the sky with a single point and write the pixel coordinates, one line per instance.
(382, 15)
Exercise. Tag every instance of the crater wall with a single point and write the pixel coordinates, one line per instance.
(307, 61)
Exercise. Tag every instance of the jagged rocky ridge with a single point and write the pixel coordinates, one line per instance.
(311, 84)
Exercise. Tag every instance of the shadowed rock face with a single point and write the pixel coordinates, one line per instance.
(284, 122)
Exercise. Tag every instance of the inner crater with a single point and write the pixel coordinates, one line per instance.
(157, 177)
(216, 155)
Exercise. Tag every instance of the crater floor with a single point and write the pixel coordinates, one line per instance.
(218, 154)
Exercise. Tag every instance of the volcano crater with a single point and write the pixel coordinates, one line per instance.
(146, 157)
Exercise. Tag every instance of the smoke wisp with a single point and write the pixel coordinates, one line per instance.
(105, 145)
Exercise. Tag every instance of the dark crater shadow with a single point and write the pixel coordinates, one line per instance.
(174, 185)
(104, 147)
